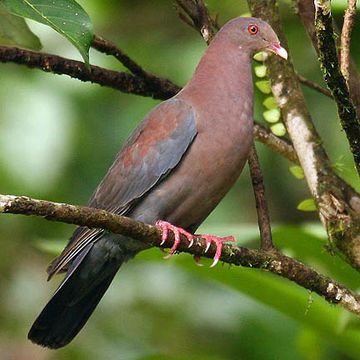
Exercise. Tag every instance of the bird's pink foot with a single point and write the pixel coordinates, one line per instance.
(164, 226)
(219, 241)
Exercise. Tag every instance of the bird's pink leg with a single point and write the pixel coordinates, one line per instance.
(219, 241)
(164, 226)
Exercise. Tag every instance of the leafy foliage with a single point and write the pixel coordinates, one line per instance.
(15, 32)
(66, 17)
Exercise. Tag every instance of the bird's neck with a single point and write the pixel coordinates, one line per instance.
(224, 71)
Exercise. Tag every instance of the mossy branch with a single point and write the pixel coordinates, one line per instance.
(335, 80)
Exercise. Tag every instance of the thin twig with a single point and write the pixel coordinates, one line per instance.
(315, 86)
(266, 242)
(274, 262)
(109, 48)
(195, 14)
(328, 58)
(346, 39)
(280, 145)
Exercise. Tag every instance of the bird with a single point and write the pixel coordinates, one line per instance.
(174, 169)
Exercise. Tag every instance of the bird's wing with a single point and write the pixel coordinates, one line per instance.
(155, 147)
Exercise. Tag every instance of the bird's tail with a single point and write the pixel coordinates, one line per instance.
(75, 299)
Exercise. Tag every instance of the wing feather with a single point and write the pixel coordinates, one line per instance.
(153, 150)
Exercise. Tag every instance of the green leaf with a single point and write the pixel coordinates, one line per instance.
(272, 116)
(15, 32)
(278, 129)
(270, 103)
(260, 71)
(66, 17)
(264, 86)
(307, 205)
(260, 56)
(297, 171)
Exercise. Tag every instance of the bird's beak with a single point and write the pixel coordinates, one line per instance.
(277, 49)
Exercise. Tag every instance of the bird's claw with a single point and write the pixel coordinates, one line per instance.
(164, 227)
(197, 259)
(219, 241)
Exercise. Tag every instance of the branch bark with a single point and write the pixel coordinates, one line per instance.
(337, 202)
(306, 11)
(152, 81)
(195, 14)
(262, 209)
(313, 85)
(127, 83)
(278, 144)
(335, 80)
(346, 39)
(274, 262)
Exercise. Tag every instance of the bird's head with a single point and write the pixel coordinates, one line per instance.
(253, 34)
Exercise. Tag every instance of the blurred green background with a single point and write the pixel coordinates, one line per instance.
(59, 136)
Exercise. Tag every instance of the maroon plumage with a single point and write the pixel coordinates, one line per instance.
(176, 167)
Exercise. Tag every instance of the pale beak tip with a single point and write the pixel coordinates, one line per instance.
(279, 50)
(283, 53)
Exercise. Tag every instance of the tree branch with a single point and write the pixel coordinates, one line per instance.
(306, 11)
(152, 81)
(109, 48)
(127, 83)
(195, 14)
(266, 242)
(336, 200)
(335, 80)
(276, 263)
(313, 85)
(346, 39)
(275, 143)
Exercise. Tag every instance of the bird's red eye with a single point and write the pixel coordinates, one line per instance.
(253, 29)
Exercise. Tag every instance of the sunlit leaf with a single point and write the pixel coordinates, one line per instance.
(307, 205)
(260, 56)
(272, 116)
(270, 103)
(66, 17)
(297, 171)
(260, 71)
(278, 129)
(264, 86)
(15, 32)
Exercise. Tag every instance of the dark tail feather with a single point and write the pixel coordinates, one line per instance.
(72, 304)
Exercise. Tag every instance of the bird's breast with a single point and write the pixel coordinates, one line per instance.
(207, 171)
